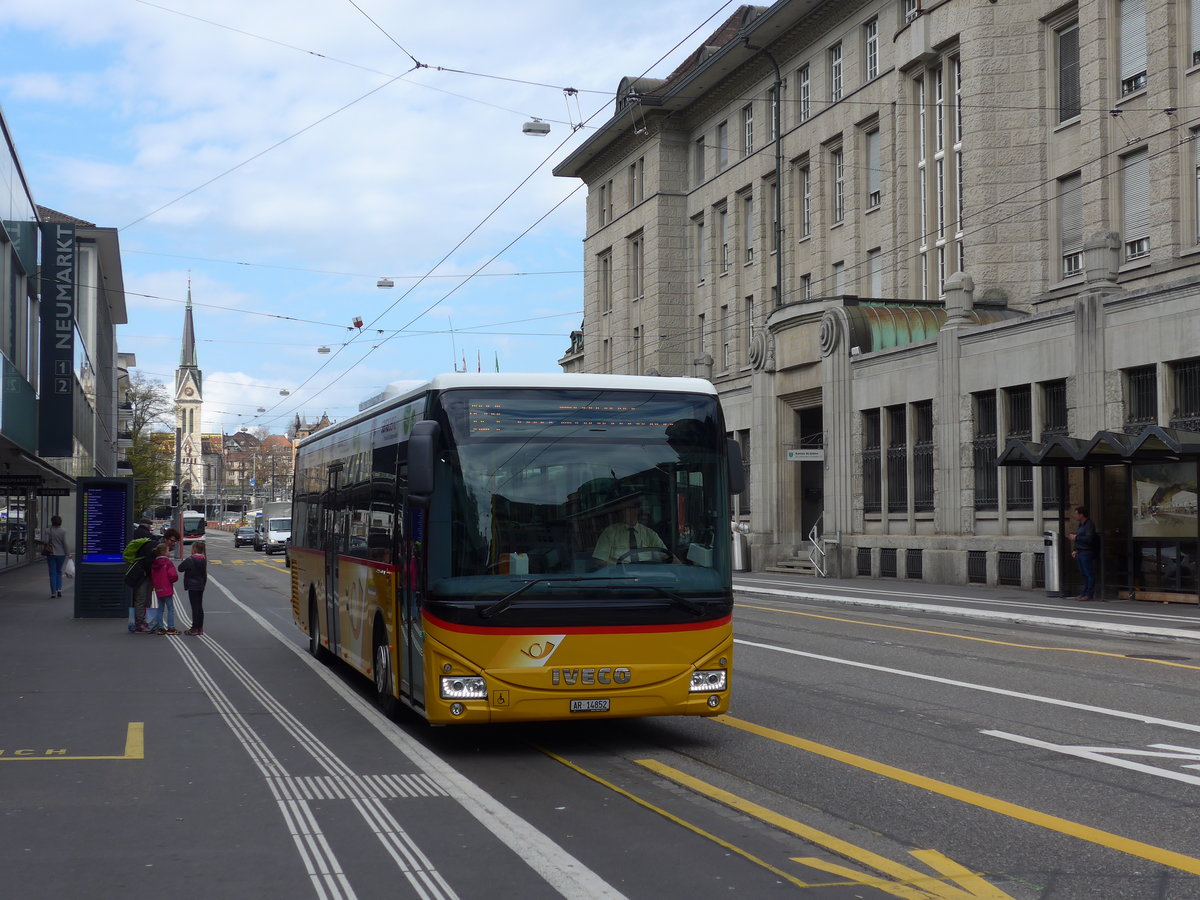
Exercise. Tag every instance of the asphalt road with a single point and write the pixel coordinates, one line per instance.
(869, 752)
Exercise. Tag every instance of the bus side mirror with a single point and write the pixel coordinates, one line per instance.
(422, 457)
(737, 474)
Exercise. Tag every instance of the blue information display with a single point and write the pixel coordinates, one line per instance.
(105, 524)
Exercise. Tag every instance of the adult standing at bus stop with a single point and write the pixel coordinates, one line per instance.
(1084, 539)
(56, 552)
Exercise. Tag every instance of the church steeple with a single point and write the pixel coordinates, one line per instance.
(189, 400)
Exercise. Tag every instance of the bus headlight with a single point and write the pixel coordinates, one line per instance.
(708, 680)
(464, 687)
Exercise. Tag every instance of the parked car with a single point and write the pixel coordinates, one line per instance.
(244, 535)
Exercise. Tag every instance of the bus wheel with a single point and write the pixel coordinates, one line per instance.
(314, 632)
(383, 674)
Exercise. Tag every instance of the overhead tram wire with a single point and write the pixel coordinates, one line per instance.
(321, 368)
(266, 150)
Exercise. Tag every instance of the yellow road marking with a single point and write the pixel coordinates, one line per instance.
(683, 823)
(134, 748)
(907, 883)
(1107, 839)
(967, 637)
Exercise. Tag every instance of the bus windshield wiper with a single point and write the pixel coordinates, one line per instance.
(506, 601)
(679, 600)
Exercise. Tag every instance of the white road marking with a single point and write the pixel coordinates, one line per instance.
(1112, 755)
(562, 871)
(1003, 692)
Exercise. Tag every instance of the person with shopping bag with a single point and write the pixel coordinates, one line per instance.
(54, 548)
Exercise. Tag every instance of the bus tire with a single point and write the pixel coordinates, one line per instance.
(381, 662)
(314, 633)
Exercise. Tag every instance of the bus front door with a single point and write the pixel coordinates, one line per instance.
(333, 532)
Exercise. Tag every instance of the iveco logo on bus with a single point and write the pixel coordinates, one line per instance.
(601, 675)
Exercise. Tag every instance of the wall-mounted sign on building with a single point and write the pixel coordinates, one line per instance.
(807, 454)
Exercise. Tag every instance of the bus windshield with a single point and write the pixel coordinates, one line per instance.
(601, 489)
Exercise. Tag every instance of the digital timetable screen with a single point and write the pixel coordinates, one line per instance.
(105, 523)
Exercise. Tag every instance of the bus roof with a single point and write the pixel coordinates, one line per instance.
(523, 381)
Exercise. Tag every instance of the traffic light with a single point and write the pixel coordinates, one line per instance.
(174, 495)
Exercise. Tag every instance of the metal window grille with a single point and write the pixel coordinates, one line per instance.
(887, 562)
(1008, 568)
(912, 564)
(1186, 415)
(976, 567)
(1039, 570)
(987, 494)
(1054, 421)
(1141, 398)
(744, 496)
(897, 460)
(864, 561)
(1019, 479)
(923, 456)
(872, 476)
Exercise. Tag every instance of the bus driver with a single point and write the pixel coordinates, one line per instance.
(628, 540)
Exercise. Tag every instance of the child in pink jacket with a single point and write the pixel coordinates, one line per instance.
(163, 577)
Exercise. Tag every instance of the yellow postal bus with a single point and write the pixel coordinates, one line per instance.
(504, 548)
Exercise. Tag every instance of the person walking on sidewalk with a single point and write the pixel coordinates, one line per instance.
(1084, 540)
(195, 579)
(56, 554)
(163, 576)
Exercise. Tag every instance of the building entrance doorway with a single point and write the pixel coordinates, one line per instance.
(809, 502)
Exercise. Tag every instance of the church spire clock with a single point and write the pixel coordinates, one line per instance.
(189, 400)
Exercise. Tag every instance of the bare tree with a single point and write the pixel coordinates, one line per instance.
(152, 405)
(152, 465)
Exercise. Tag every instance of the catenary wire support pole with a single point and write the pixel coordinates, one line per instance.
(776, 106)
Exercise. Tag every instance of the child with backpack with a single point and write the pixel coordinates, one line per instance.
(195, 579)
(163, 577)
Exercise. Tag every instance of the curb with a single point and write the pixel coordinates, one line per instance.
(992, 615)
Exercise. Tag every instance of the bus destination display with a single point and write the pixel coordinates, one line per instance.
(507, 417)
(105, 529)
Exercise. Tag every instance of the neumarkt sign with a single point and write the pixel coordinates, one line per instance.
(56, 407)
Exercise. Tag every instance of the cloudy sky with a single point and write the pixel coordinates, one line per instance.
(284, 155)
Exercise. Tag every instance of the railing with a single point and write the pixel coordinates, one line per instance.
(816, 553)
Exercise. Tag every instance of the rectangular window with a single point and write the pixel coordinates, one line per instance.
(743, 439)
(1070, 224)
(897, 460)
(1054, 421)
(1185, 376)
(1019, 478)
(835, 73)
(701, 252)
(747, 129)
(874, 193)
(875, 272)
(912, 9)
(698, 163)
(637, 351)
(1194, 15)
(722, 146)
(803, 94)
(773, 188)
(923, 456)
(726, 340)
(604, 204)
(637, 182)
(871, 49)
(1141, 398)
(749, 332)
(773, 110)
(872, 488)
(723, 237)
(1132, 45)
(838, 172)
(1135, 204)
(987, 493)
(606, 355)
(748, 227)
(606, 285)
(806, 286)
(637, 252)
(1196, 181)
(805, 202)
(839, 279)
(701, 346)
(1067, 46)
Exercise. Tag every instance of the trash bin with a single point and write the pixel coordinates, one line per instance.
(741, 547)
(1053, 563)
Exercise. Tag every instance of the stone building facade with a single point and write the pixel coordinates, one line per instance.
(904, 239)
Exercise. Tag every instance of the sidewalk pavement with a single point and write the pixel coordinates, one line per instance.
(1173, 621)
